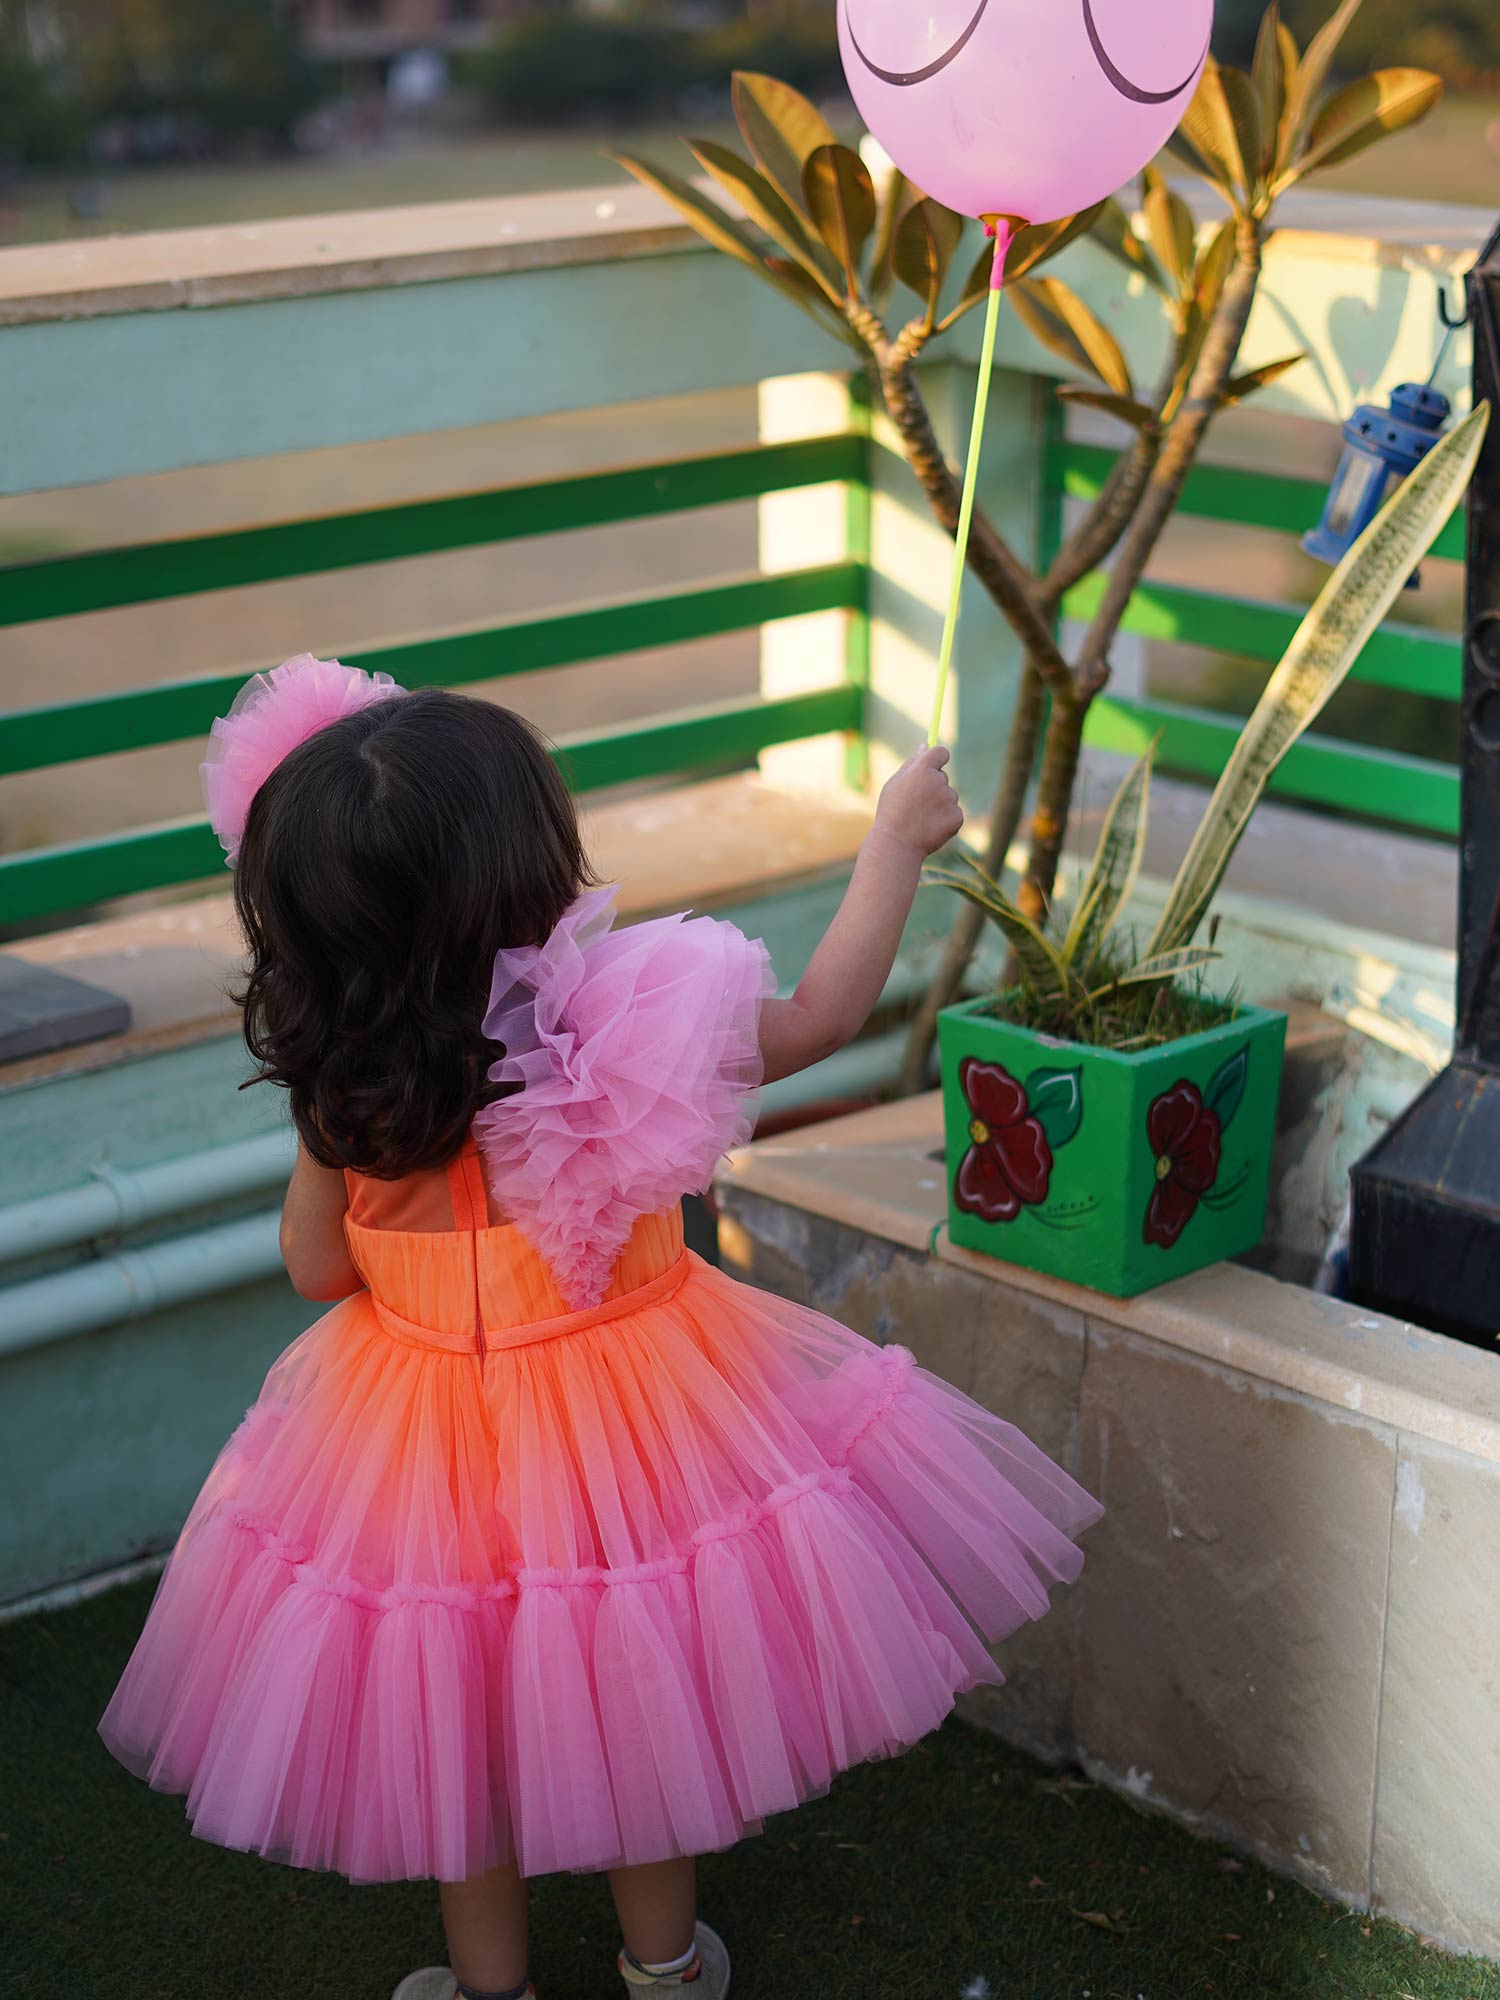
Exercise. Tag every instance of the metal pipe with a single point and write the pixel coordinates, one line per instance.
(137, 1282)
(133, 1283)
(115, 1199)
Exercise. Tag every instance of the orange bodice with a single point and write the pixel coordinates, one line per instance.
(443, 1272)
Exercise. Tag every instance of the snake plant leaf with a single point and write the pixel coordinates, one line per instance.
(1160, 969)
(923, 249)
(764, 204)
(1115, 866)
(1326, 644)
(1042, 966)
(840, 198)
(781, 128)
(1238, 387)
(1138, 415)
(1112, 232)
(1306, 86)
(1362, 114)
(1169, 221)
(1066, 327)
(1268, 74)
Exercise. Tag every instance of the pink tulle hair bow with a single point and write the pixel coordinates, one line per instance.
(270, 716)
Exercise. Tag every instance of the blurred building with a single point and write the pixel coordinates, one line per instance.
(379, 31)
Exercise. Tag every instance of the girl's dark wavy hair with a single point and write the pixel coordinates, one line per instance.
(384, 863)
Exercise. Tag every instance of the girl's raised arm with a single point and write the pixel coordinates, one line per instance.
(312, 1232)
(918, 813)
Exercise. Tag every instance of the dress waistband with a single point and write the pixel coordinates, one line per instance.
(493, 1338)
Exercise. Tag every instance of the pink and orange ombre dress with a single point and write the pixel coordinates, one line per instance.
(555, 1542)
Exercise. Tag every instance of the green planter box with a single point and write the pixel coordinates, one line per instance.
(1115, 1171)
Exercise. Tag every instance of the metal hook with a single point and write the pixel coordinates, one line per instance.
(1445, 315)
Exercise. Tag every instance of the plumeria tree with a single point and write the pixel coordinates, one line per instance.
(806, 217)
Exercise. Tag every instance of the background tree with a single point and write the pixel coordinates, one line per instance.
(818, 231)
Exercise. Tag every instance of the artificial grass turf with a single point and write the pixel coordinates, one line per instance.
(958, 1864)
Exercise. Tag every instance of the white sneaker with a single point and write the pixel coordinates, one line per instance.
(434, 1982)
(707, 1978)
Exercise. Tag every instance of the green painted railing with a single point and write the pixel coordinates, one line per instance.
(1352, 779)
(45, 881)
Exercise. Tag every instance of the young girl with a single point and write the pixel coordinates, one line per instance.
(549, 1546)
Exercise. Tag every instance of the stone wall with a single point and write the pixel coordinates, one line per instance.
(1286, 1634)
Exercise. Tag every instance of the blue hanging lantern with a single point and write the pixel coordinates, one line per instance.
(1381, 446)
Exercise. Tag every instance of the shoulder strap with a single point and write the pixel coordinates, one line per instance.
(466, 1187)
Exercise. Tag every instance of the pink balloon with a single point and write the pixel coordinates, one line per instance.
(1035, 108)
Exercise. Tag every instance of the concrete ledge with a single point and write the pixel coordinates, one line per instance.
(693, 847)
(1281, 1637)
(425, 242)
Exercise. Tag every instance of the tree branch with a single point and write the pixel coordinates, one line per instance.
(994, 563)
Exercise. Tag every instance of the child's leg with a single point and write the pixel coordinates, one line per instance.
(485, 1919)
(657, 1905)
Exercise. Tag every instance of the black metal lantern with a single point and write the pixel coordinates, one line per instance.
(1381, 446)
(1425, 1226)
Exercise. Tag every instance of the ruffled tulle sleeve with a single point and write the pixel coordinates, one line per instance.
(634, 1057)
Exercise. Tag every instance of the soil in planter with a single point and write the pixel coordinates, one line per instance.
(1121, 1018)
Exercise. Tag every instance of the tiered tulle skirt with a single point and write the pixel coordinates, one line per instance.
(603, 1597)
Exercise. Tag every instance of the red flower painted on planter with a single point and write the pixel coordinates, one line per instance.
(1187, 1140)
(1008, 1166)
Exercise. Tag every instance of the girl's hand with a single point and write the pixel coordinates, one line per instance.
(919, 806)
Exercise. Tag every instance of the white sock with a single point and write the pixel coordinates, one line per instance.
(663, 1969)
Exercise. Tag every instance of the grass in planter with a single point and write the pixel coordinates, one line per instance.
(1120, 1017)
(962, 1868)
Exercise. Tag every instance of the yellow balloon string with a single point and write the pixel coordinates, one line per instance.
(971, 479)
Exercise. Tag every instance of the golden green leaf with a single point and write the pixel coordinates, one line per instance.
(1112, 231)
(1056, 315)
(1268, 75)
(1173, 237)
(1223, 122)
(1306, 87)
(1238, 387)
(840, 198)
(764, 204)
(1137, 415)
(923, 249)
(1362, 114)
(781, 129)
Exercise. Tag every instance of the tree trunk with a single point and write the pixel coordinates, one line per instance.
(1054, 799)
(1011, 586)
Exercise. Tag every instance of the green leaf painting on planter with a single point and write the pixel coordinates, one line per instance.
(1056, 1100)
(1226, 1087)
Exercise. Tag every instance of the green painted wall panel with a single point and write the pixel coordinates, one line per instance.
(95, 399)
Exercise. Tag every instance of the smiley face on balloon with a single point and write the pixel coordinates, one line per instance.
(1032, 108)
